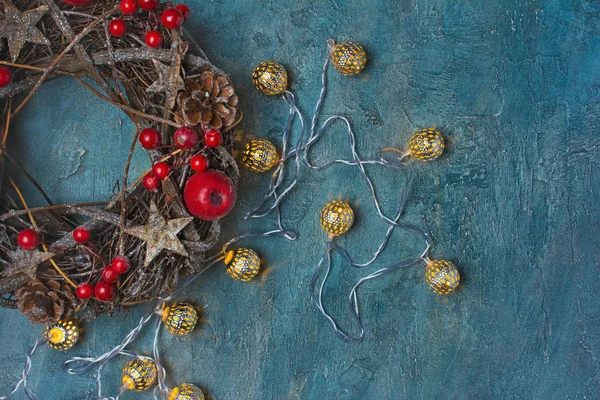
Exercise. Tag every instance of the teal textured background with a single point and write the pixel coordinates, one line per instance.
(514, 202)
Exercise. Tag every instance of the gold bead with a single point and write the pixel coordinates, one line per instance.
(63, 335)
(139, 374)
(243, 264)
(426, 144)
(442, 276)
(180, 318)
(348, 58)
(260, 155)
(186, 391)
(270, 78)
(336, 217)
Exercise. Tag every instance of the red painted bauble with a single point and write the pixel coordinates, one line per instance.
(199, 163)
(82, 235)
(161, 170)
(28, 239)
(128, 6)
(110, 275)
(185, 11)
(149, 138)
(148, 5)
(117, 27)
(209, 195)
(78, 3)
(105, 291)
(171, 18)
(153, 39)
(185, 137)
(5, 76)
(120, 264)
(151, 182)
(213, 138)
(84, 291)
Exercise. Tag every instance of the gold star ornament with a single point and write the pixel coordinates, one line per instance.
(160, 234)
(19, 27)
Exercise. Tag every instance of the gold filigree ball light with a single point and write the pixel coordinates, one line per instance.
(426, 144)
(242, 264)
(348, 58)
(336, 217)
(63, 335)
(270, 78)
(186, 391)
(139, 374)
(442, 276)
(180, 318)
(260, 155)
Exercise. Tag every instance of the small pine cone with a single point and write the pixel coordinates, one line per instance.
(45, 303)
(209, 100)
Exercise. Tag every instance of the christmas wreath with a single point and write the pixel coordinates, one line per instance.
(96, 257)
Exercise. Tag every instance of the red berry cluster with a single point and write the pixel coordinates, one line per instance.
(105, 289)
(170, 18)
(185, 138)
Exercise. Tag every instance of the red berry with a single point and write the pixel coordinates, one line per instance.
(84, 291)
(213, 138)
(171, 18)
(149, 138)
(151, 182)
(185, 137)
(209, 195)
(110, 275)
(161, 170)
(105, 291)
(128, 6)
(5, 76)
(77, 3)
(28, 239)
(199, 163)
(82, 235)
(148, 5)
(154, 39)
(120, 264)
(117, 27)
(185, 11)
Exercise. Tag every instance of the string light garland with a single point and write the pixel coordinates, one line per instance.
(137, 236)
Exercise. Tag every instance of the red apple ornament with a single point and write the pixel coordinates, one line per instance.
(209, 195)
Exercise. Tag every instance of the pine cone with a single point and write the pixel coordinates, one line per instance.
(45, 303)
(210, 101)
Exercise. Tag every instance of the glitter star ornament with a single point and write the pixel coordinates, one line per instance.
(242, 264)
(186, 391)
(169, 81)
(270, 78)
(63, 335)
(160, 234)
(260, 155)
(20, 27)
(348, 58)
(426, 144)
(26, 262)
(442, 276)
(336, 217)
(139, 374)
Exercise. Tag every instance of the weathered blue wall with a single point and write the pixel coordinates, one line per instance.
(514, 202)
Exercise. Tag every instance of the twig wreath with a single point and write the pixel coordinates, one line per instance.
(96, 257)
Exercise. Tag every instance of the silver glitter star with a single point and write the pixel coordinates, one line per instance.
(26, 261)
(169, 80)
(19, 27)
(160, 234)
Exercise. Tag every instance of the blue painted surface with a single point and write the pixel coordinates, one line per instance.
(513, 202)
